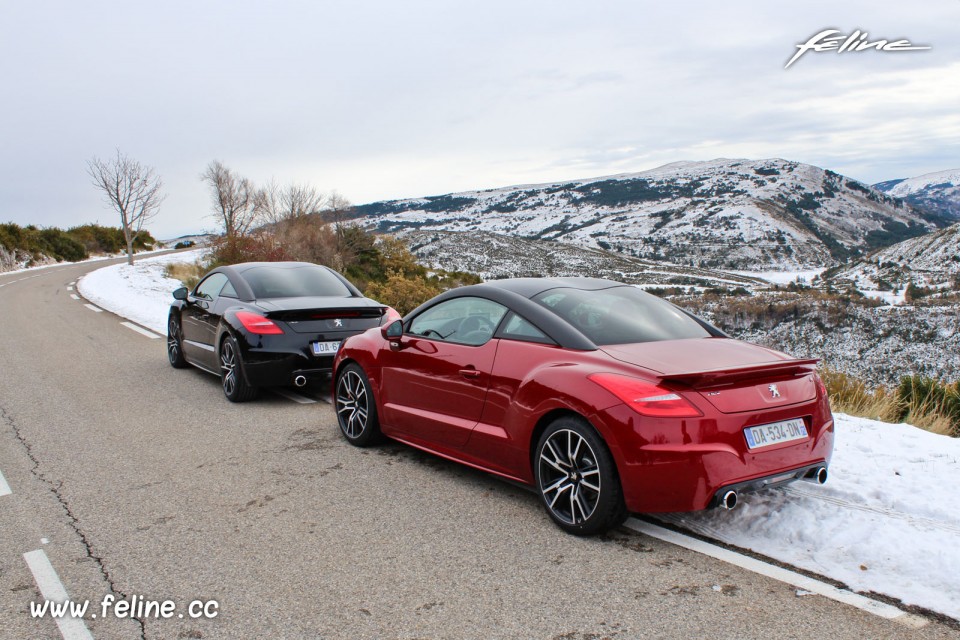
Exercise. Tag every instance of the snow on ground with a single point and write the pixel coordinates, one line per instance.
(886, 521)
(783, 277)
(140, 292)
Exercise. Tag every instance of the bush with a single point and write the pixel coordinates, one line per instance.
(403, 293)
(927, 403)
(930, 403)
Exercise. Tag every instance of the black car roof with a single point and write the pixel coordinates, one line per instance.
(244, 292)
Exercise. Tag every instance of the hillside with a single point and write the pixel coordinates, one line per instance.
(728, 214)
(494, 256)
(930, 261)
(936, 193)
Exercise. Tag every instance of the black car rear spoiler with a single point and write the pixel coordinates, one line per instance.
(327, 313)
(715, 377)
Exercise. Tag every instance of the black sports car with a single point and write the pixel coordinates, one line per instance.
(263, 324)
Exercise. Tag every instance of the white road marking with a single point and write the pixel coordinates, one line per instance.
(778, 573)
(52, 589)
(93, 308)
(140, 330)
(69, 288)
(44, 541)
(4, 487)
(296, 397)
(74, 296)
(73, 283)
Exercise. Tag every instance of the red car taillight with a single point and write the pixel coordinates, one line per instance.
(646, 398)
(258, 324)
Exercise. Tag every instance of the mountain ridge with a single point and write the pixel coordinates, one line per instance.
(717, 214)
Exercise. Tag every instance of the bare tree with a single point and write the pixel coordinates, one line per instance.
(301, 200)
(267, 203)
(234, 200)
(132, 189)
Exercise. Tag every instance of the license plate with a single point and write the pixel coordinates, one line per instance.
(775, 433)
(325, 348)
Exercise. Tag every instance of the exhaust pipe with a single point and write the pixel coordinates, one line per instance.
(300, 381)
(821, 475)
(818, 475)
(729, 500)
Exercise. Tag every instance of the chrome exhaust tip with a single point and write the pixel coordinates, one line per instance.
(818, 475)
(729, 500)
(300, 381)
(821, 475)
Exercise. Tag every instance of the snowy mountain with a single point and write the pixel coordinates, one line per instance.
(729, 214)
(937, 193)
(930, 261)
(494, 256)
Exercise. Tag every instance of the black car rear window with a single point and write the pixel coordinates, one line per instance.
(279, 282)
(620, 315)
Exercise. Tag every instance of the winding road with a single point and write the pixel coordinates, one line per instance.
(138, 480)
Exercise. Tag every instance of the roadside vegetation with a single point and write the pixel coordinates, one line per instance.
(33, 245)
(299, 223)
(927, 403)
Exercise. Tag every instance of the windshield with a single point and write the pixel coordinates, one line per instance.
(279, 282)
(620, 315)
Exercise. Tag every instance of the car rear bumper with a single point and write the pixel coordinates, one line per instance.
(272, 369)
(683, 465)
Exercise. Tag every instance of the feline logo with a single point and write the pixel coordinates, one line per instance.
(834, 40)
(774, 391)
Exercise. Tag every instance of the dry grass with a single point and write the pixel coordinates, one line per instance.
(930, 404)
(186, 272)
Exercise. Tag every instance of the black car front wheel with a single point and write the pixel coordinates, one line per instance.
(356, 408)
(234, 383)
(175, 342)
(577, 478)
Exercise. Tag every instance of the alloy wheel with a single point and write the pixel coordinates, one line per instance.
(353, 404)
(228, 366)
(569, 476)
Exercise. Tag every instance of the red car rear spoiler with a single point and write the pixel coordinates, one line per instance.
(698, 379)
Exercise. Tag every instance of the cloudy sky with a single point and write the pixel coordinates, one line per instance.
(384, 99)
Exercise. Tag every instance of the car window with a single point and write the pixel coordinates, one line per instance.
(465, 320)
(211, 286)
(284, 282)
(228, 291)
(620, 315)
(519, 328)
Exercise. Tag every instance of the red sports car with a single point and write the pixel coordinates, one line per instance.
(606, 399)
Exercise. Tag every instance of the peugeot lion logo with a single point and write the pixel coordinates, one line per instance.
(338, 322)
(774, 391)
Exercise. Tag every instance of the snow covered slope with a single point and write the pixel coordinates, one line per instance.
(932, 261)
(729, 214)
(492, 256)
(934, 192)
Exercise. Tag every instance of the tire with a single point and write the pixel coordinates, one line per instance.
(175, 342)
(232, 380)
(577, 479)
(356, 407)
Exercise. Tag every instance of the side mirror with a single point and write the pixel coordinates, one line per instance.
(181, 293)
(393, 331)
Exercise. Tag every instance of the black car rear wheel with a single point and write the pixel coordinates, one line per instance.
(175, 342)
(577, 478)
(356, 408)
(234, 383)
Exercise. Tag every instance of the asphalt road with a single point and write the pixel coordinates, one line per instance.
(144, 481)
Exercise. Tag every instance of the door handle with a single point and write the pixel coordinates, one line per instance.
(470, 374)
